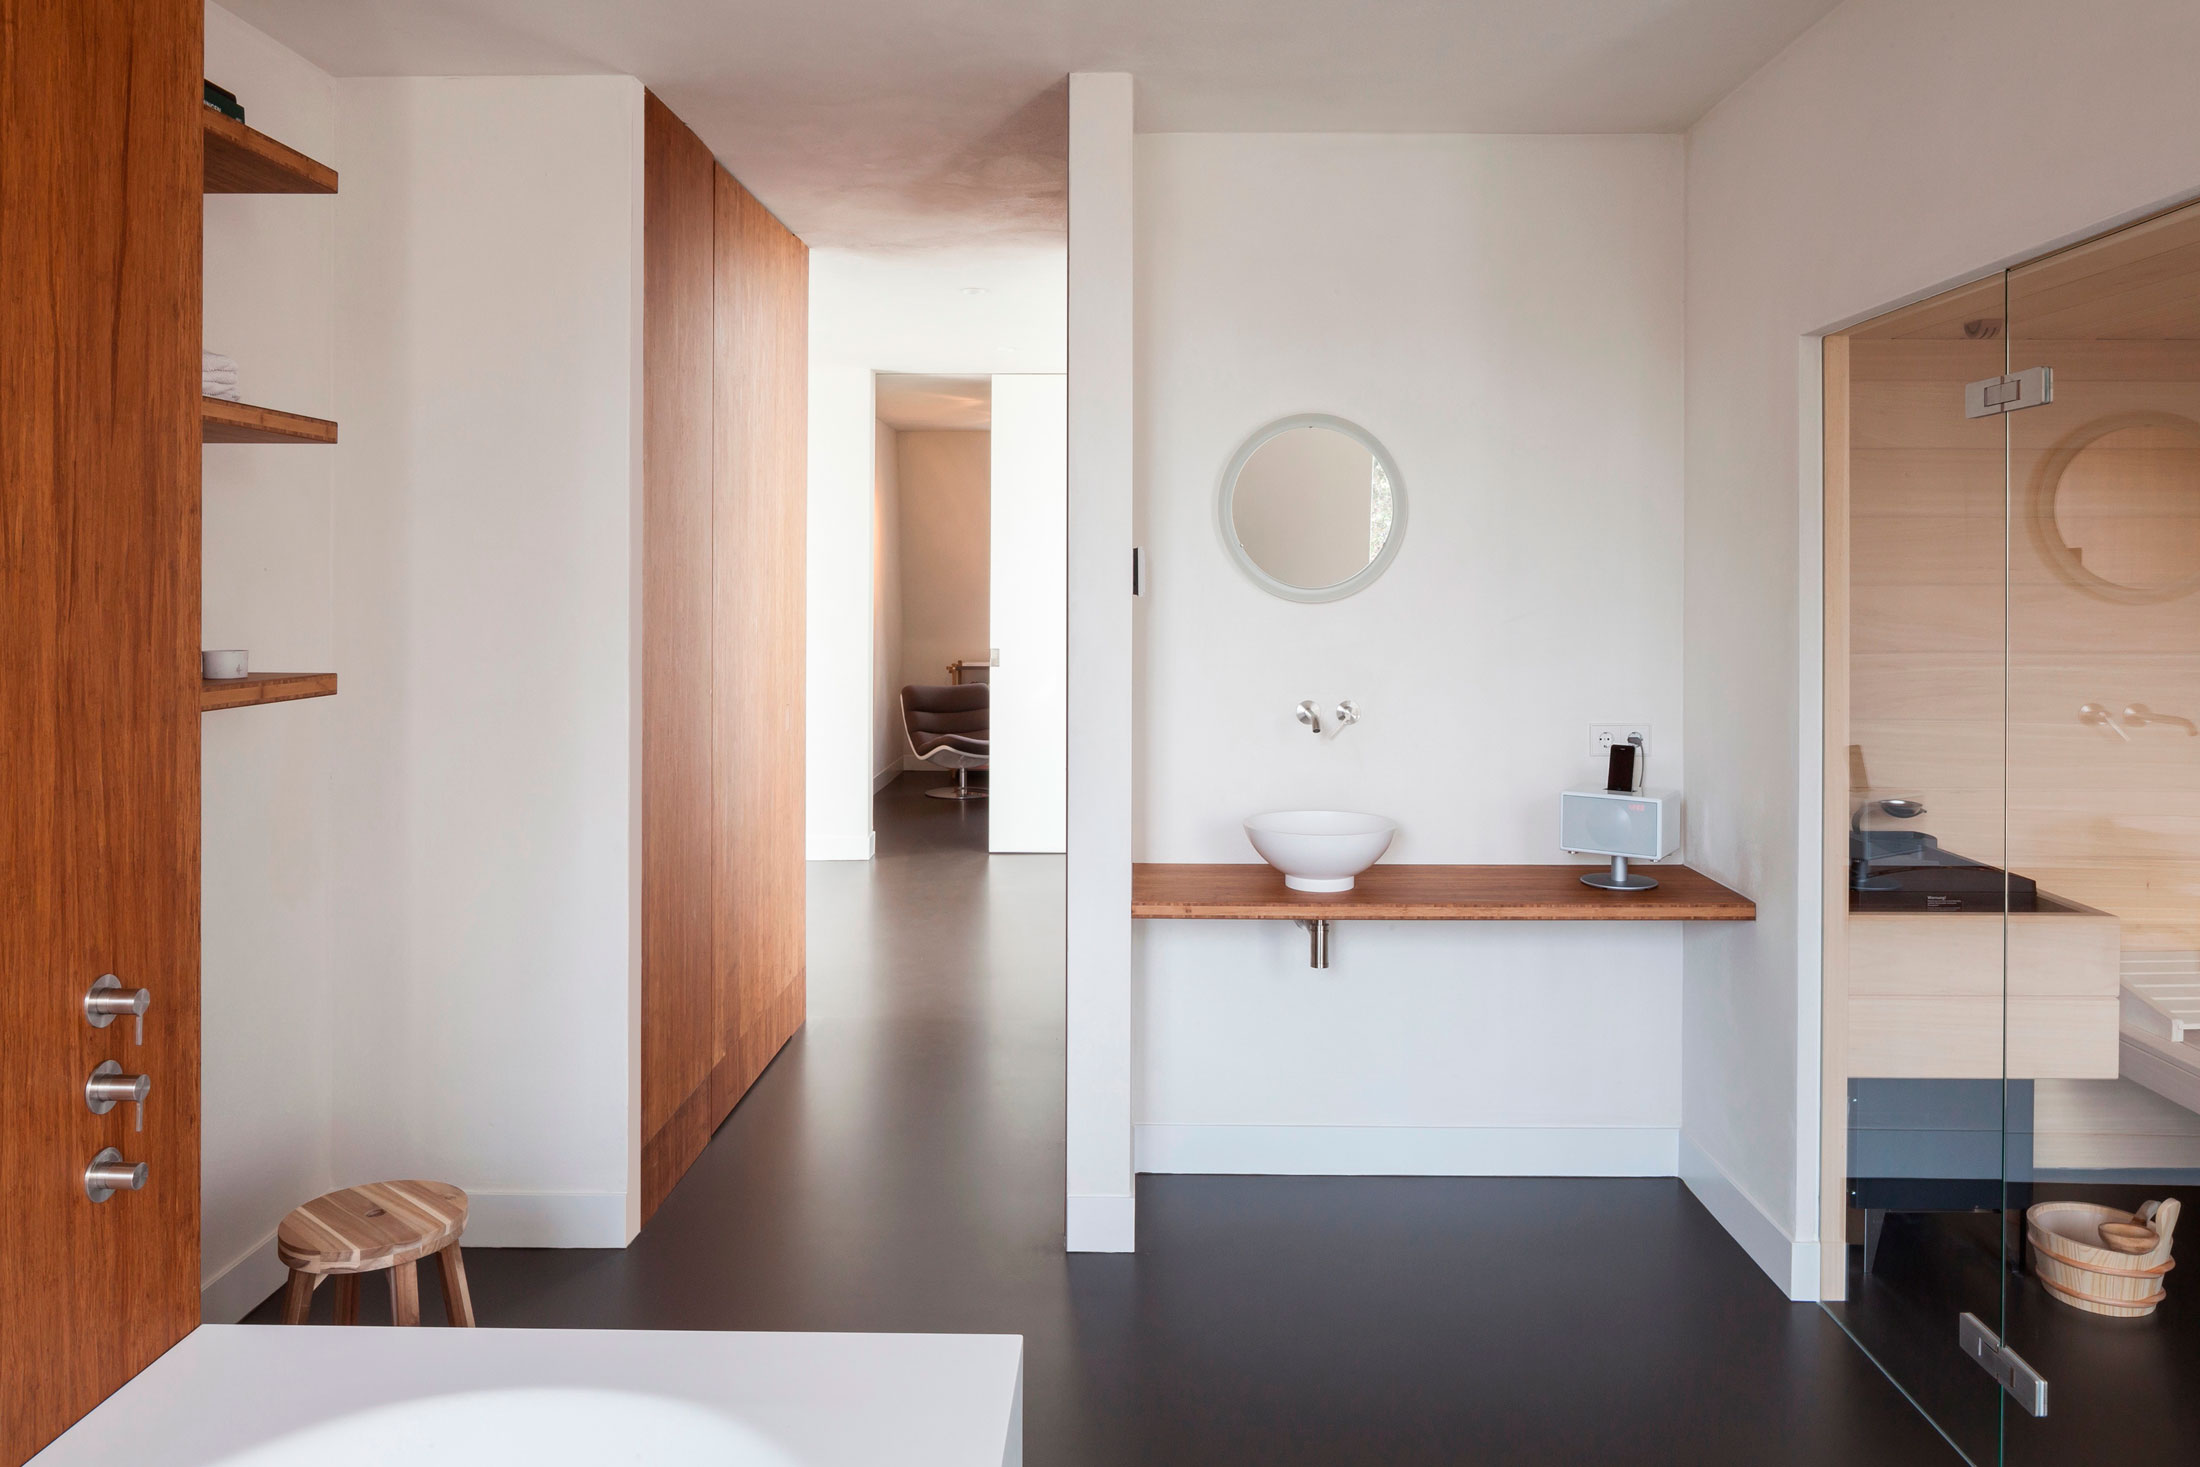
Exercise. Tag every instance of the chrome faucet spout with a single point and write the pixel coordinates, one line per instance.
(2140, 713)
(1310, 715)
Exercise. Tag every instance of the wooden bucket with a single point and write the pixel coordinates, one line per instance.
(2067, 1256)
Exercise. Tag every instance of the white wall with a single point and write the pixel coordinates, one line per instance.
(1101, 1212)
(266, 852)
(946, 554)
(1844, 178)
(874, 313)
(488, 269)
(888, 744)
(1026, 807)
(1505, 315)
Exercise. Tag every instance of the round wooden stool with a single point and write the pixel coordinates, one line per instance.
(358, 1230)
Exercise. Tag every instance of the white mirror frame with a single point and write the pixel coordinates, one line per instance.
(1226, 526)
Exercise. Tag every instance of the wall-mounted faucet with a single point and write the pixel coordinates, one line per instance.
(2140, 713)
(1347, 714)
(2093, 715)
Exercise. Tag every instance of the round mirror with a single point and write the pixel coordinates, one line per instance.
(2116, 507)
(1312, 508)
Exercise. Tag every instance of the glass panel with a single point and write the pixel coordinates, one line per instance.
(1915, 912)
(2104, 815)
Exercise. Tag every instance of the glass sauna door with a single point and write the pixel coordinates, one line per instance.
(1918, 887)
(2103, 801)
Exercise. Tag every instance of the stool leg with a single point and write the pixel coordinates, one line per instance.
(298, 1297)
(458, 1304)
(405, 1294)
(347, 1298)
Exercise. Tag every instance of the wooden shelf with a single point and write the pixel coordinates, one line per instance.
(263, 687)
(1250, 891)
(222, 421)
(242, 161)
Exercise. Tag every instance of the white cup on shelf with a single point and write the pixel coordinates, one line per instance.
(230, 662)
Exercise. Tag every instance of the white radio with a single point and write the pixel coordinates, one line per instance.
(1640, 825)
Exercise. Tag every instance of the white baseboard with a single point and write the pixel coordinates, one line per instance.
(885, 777)
(857, 846)
(242, 1283)
(1408, 1151)
(545, 1219)
(1102, 1224)
(1790, 1264)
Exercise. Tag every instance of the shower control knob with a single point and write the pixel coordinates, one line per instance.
(109, 1174)
(107, 1000)
(109, 1087)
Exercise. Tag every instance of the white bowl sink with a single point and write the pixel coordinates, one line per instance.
(1320, 850)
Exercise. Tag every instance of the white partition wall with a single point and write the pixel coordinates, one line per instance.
(484, 946)
(1102, 1212)
(1030, 614)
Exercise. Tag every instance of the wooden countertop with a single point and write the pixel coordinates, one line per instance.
(1252, 890)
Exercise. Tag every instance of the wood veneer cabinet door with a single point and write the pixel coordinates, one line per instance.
(100, 159)
(725, 370)
(679, 1012)
(760, 492)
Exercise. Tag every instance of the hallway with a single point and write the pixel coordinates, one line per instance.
(899, 1168)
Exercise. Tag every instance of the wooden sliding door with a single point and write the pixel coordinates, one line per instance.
(725, 326)
(759, 492)
(99, 742)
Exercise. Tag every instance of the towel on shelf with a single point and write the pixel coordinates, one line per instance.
(218, 376)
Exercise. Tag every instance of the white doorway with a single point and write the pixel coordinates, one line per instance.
(969, 582)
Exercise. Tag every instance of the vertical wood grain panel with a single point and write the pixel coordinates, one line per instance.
(100, 162)
(725, 362)
(760, 494)
(679, 1018)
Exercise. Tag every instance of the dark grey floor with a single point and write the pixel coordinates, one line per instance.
(2119, 1390)
(900, 1167)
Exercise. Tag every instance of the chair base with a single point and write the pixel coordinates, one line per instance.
(961, 789)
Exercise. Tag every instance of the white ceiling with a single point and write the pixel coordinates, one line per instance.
(914, 123)
(911, 402)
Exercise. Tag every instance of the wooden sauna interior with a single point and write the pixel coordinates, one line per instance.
(2013, 642)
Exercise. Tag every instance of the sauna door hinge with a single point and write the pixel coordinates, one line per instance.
(2033, 387)
(2004, 1364)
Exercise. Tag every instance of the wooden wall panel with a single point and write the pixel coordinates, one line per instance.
(760, 496)
(679, 1016)
(725, 361)
(100, 161)
(2101, 819)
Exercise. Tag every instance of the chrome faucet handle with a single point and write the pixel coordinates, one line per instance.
(1348, 713)
(2140, 713)
(1310, 715)
(107, 999)
(109, 1174)
(2093, 715)
(109, 1087)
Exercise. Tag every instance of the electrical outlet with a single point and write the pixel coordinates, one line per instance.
(1603, 735)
